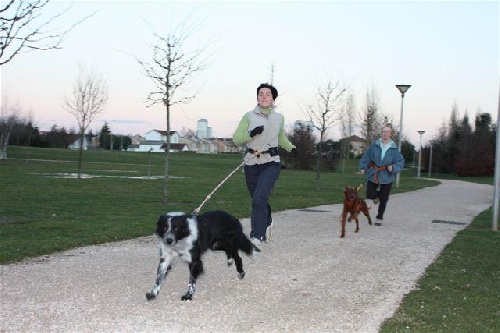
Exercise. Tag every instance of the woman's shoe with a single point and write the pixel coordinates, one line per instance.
(269, 232)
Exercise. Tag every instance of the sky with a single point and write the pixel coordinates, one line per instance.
(448, 51)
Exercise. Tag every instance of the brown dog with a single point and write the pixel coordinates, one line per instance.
(353, 205)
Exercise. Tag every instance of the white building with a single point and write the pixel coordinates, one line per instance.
(304, 125)
(154, 141)
(76, 144)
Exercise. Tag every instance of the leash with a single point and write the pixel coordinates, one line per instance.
(197, 210)
(377, 169)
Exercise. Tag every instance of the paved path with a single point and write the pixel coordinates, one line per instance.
(307, 279)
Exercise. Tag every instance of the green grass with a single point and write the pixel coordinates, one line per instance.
(478, 180)
(41, 213)
(460, 291)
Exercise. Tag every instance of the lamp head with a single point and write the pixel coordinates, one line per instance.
(403, 88)
(421, 132)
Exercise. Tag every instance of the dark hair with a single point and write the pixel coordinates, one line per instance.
(274, 91)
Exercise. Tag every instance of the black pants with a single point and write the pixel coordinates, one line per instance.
(382, 194)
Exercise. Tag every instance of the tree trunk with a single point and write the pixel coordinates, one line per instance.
(3, 146)
(318, 160)
(4, 141)
(80, 153)
(167, 152)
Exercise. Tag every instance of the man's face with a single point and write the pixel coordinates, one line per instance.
(265, 98)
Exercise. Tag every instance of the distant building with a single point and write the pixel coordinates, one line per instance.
(175, 147)
(76, 144)
(355, 145)
(303, 125)
(154, 141)
(225, 145)
(202, 143)
(158, 135)
(136, 139)
(202, 129)
(189, 142)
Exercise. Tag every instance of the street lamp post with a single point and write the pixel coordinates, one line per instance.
(149, 162)
(430, 161)
(420, 153)
(402, 89)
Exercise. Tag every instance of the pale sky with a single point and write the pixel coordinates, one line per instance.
(448, 51)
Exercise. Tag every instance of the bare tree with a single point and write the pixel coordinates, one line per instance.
(187, 133)
(9, 117)
(348, 122)
(326, 112)
(172, 70)
(23, 27)
(371, 117)
(88, 99)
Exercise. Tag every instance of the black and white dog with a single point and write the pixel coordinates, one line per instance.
(188, 237)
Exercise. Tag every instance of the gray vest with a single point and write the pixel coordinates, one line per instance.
(269, 137)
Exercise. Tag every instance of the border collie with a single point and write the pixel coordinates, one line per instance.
(188, 237)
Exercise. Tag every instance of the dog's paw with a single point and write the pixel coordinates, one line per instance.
(241, 275)
(255, 248)
(150, 296)
(230, 261)
(187, 297)
(253, 256)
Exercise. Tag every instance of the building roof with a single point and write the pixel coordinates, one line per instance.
(354, 138)
(163, 132)
(176, 146)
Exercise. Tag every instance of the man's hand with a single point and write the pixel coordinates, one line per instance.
(362, 171)
(256, 130)
(389, 167)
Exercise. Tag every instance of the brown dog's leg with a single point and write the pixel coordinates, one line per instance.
(344, 215)
(364, 209)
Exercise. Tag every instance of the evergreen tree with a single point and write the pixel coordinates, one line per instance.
(104, 136)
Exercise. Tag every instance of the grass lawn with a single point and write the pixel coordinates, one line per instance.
(44, 209)
(460, 291)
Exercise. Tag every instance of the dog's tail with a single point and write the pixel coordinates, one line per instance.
(247, 246)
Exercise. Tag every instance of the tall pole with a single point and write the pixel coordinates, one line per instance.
(430, 162)
(496, 194)
(420, 154)
(402, 89)
(149, 163)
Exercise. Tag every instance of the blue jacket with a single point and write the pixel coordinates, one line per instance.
(372, 159)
